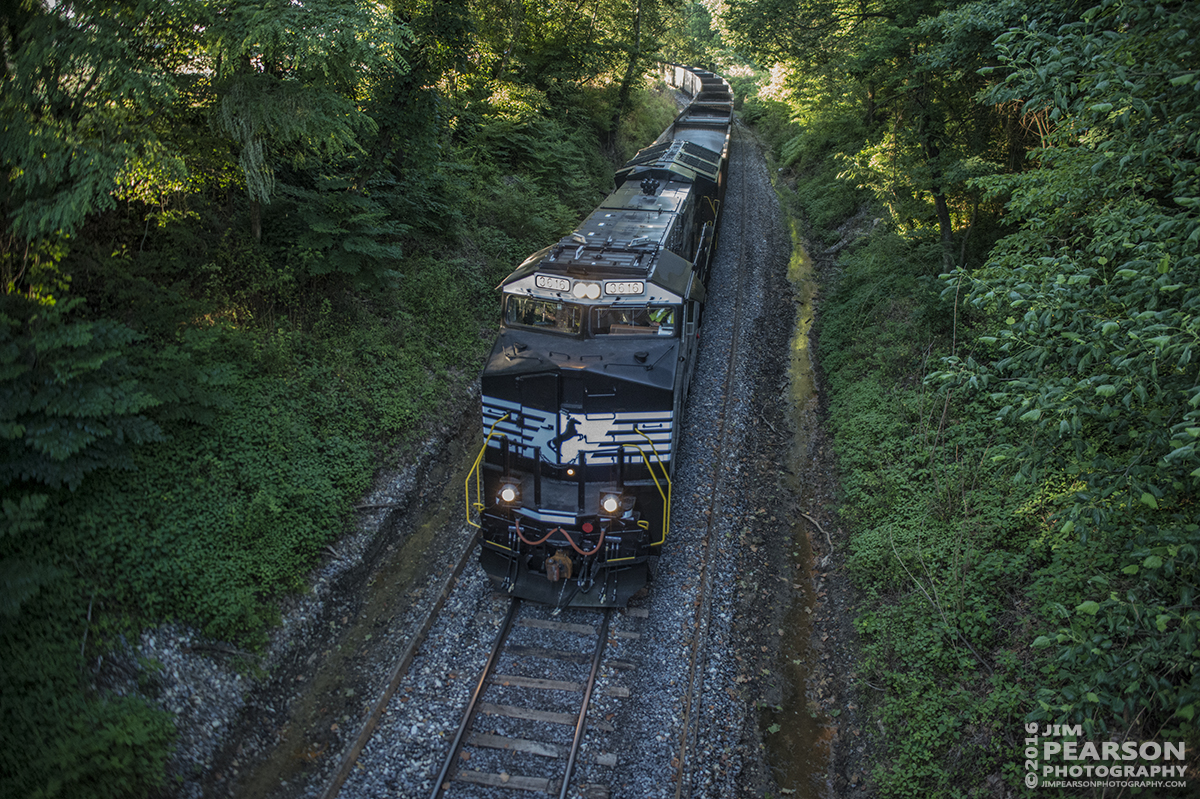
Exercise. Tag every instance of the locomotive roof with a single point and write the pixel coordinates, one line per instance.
(683, 160)
(623, 239)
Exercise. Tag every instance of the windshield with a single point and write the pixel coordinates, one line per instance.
(653, 320)
(547, 315)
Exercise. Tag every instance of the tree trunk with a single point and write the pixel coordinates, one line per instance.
(939, 203)
(256, 220)
(631, 71)
(514, 40)
(946, 227)
(869, 112)
(966, 237)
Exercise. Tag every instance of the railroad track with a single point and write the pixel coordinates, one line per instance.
(523, 749)
(524, 725)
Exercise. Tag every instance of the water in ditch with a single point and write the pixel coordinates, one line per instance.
(798, 732)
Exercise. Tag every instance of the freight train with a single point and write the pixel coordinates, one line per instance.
(584, 390)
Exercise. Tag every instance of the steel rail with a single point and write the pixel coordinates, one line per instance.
(581, 724)
(498, 647)
(464, 728)
(334, 787)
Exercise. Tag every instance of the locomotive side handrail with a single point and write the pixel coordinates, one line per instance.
(666, 477)
(477, 473)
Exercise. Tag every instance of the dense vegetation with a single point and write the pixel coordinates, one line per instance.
(1011, 356)
(247, 248)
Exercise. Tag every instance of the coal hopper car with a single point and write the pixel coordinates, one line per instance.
(583, 392)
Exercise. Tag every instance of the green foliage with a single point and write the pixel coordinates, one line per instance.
(79, 80)
(552, 165)
(20, 578)
(693, 39)
(827, 201)
(1017, 455)
(1131, 646)
(806, 134)
(934, 547)
(71, 400)
(888, 92)
(60, 739)
(224, 514)
(771, 119)
(937, 545)
(1092, 307)
(1106, 315)
(344, 231)
(289, 76)
(653, 110)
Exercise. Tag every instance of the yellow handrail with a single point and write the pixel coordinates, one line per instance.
(666, 477)
(476, 472)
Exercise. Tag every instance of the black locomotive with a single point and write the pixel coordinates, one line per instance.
(583, 392)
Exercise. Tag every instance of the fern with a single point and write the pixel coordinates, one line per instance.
(70, 402)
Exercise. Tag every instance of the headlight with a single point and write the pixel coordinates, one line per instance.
(610, 503)
(509, 493)
(589, 291)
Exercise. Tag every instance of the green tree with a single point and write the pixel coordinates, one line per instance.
(70, 403)
(1094, 301)
(289, 78)
(911, 70)
(549, 45)
(805, 32)
(693, 38)
(78, 83)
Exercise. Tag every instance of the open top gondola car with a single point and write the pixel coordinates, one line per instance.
(584, 390)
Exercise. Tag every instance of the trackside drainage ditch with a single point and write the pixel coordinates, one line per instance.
(798, 732)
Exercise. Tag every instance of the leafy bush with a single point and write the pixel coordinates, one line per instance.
(653, 109)
(1090, 304)
(937, 547)
(935, 544)
(61, 740)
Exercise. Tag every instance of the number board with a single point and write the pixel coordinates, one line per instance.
(625, 287)
(551, 283)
